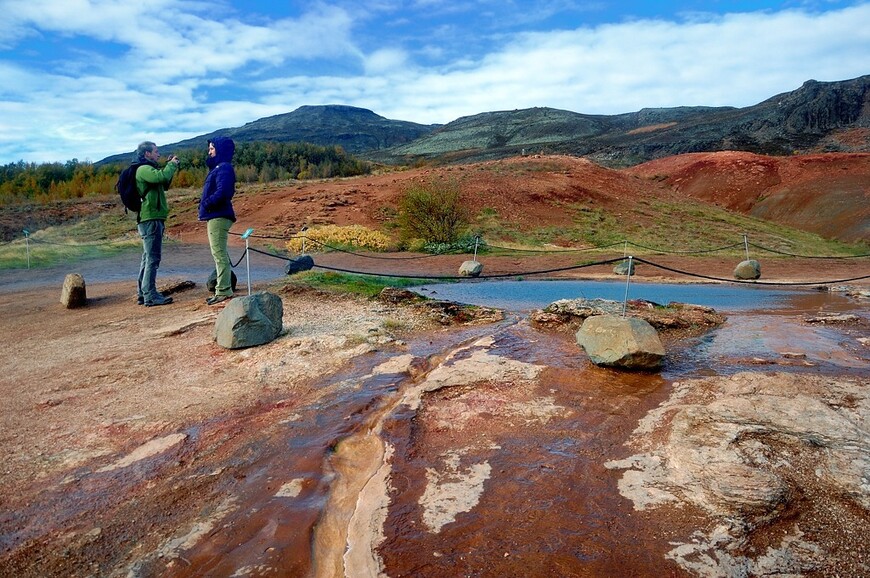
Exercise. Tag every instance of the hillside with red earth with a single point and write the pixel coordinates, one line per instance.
(828, 194)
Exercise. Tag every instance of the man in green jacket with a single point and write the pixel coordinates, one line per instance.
(152, 183)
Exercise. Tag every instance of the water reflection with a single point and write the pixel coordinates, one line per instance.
(527, 295)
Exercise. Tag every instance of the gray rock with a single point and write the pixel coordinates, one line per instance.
(299, 264)
(470, 269)
(749, 269)
(624, 268)
(73, 293)
(623, 342)
(249, 321)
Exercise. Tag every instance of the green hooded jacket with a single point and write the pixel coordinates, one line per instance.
(152, 184)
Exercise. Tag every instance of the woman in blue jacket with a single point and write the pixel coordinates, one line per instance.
(216, 208)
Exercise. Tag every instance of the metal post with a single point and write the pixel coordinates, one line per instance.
(746, 246)
(476, 241)
(627, 282)
(248, 257)
(27, 246)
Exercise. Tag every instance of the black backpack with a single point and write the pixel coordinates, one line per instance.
(127, 189)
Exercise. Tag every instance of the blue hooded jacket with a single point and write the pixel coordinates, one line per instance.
(220, 183)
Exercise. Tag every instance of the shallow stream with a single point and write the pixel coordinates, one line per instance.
(495, 474)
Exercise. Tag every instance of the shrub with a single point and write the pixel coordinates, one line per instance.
(329, 236)
(432, 212)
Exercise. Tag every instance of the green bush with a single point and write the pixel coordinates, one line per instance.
(432, 212)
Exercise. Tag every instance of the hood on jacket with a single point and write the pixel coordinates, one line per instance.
(224, 149)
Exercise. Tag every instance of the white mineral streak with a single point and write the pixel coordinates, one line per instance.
(452, 491)
(479, 366)
(366, 528)
(291, 489)
(146, 450)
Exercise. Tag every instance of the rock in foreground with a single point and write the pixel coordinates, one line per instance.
(621, 342)
(249, 321)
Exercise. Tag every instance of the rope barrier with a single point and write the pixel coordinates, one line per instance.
(600, 247)
(56, 244)
(748, 281)
(236, 264)
(675, 252)
(568, 268)
(464, 278)
(531, 273)
(763, 248)
(252, 236)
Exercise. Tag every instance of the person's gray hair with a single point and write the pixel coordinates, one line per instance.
(145, 147)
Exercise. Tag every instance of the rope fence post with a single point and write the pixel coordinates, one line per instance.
(248, 257)
(27, 246)
(627, 282)
(476, 241)
(746, 245)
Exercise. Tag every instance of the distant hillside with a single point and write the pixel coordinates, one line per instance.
(828, 194)
(817, 117)
(357, 130)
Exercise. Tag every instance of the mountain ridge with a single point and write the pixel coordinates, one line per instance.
(816, 117)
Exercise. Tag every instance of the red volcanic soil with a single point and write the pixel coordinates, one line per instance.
(826, 194)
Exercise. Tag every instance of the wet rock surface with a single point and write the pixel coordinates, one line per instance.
(378, 438)
(780, 463)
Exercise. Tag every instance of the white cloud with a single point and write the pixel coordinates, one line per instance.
(180, 72)
(385, 61)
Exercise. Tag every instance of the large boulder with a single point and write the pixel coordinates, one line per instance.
(249, 321)
(470, 268)
(623, 342)
(749, 269)
(73, 293)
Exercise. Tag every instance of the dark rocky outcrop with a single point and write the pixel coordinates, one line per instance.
(816, 117)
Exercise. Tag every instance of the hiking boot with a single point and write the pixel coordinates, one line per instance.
(161, 301)
(140, 300)
(218, 299)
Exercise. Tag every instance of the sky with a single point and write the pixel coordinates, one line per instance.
(86, 79)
